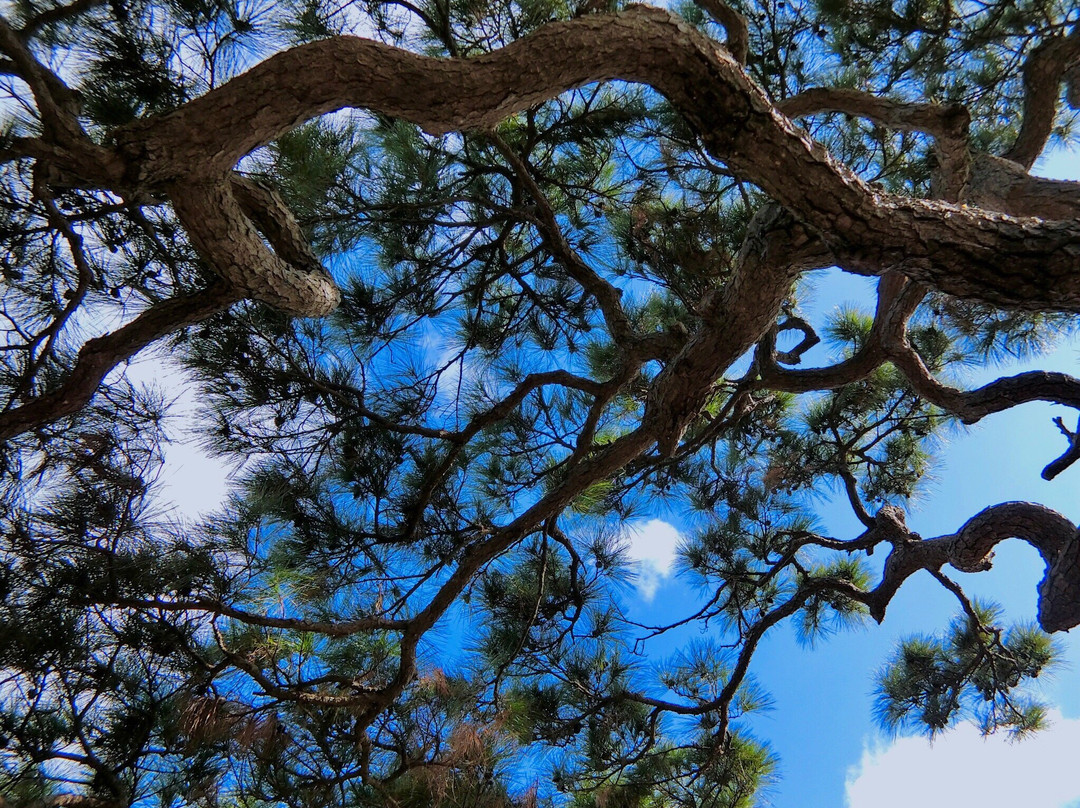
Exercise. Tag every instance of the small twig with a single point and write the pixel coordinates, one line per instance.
(809, 340)
(1071, 455)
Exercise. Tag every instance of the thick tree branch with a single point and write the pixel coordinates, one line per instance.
(222, 220)
(776, 250)
(966, 252)
(100, 355)
(947, 123)
(1002, 185)
(971, 406)
(970, 549)
(1044, 71)
(734, 23)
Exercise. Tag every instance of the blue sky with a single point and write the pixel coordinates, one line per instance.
(821, 725)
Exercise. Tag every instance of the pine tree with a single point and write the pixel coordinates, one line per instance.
(463, 287)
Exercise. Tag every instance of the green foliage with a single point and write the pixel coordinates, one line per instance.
(416, 593)
(974, 669)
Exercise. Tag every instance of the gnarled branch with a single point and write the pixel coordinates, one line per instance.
(222, 220)
(1044, 70)
(970, 549)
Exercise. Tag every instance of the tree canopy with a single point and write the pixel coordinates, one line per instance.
(463, 288)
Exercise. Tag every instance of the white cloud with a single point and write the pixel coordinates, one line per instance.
(193, 483)
(963, 768)
(652, 545)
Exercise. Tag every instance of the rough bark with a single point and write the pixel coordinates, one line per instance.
(224, 220)
(968, 252)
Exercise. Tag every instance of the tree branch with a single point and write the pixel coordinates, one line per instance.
(896, 302)
(607, 297)
(1071, 455)
(808, 341)
(947, 123)
(776, 250)
(971, 406)
(223, 218)
(100, 355)
(734, 23)
(965, 252)
(1044, 70)
(1002, 185)
(970, 549)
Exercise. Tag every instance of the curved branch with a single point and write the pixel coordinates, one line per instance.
(808, 341)
(1044, 70)
(970, 549)
(971, 406)
(734, 23)
(965, 252)
(1070, 456)
(222, 220)
(947, 123)
(897, 300)
(100, 355)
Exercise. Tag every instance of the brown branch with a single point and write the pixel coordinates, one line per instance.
(69, 149)
(776, 250)
(1002, 185)
(734, 23)
(100, 355)
(970, 549)
(947, 123)
(965, 252)
(897, 300)
(1070, 456)
(808, 341)
(1044, 70)
(971, 406)
(222, 220)
(940, 120)
(55, 101)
